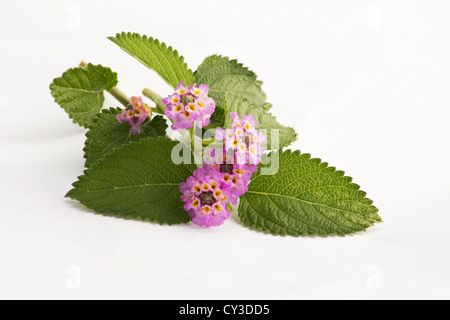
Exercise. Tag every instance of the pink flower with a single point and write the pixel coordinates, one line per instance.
(135, 114)
(189, 104)
(233, 176)
(243, 139)
(205, 198)
(226, 174)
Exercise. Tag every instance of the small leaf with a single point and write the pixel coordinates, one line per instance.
(223, 76)
(80, 91)
(106, 133)
(266, 121)
(305, 198)
(138, 181)
(165, 61)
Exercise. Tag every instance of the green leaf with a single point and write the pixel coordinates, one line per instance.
(223, 76)
(138, 181)
(305, 198)
(266, 121)
(106, 134)
(165, 61)
(80, 91)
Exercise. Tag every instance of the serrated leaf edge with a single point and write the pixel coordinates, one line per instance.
(236, 63)
(354, 186)
(121, 36)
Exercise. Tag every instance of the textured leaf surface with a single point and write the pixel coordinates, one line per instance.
(80, 91)
(138, 181)
(266, 121)
(165, 61)
(306, 197)
(106, 134)
(223, 76)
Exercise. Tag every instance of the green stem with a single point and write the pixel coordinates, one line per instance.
(156, 98)
(158, 111)
(115, 92)
(192, 132)
(206, 143)
(199, 152)
(155, 110)
(120, 96)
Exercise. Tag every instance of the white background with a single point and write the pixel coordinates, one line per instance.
(365, 83)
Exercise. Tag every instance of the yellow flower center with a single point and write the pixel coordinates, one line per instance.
(206, 210)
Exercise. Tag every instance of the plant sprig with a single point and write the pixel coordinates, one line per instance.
(133, 176)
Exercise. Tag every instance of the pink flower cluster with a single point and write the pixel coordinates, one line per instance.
(206, 198)
(224, 177)
(135, 114)
(189, 104)
(243, 139)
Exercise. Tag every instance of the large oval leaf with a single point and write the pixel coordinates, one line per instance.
(138, 181)
(305, 197)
